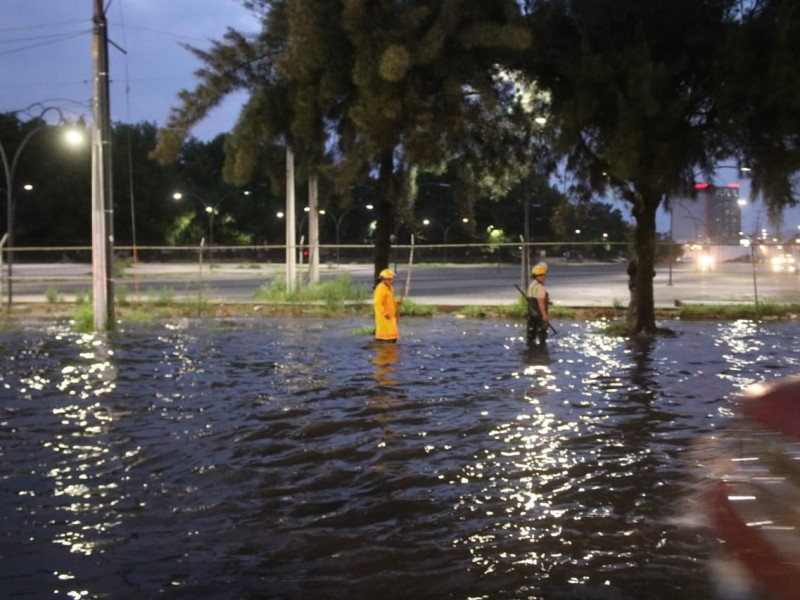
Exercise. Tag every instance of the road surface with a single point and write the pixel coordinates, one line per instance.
(573, 284)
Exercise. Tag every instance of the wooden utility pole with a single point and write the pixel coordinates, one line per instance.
(102, 201)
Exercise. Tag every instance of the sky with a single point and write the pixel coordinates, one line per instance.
(46, 59)
(46, 56)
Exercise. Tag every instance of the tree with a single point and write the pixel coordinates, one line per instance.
(361, 88)
(758, 86)
(142, 188)
(633, 101)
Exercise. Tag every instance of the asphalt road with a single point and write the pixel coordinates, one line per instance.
(573, 284)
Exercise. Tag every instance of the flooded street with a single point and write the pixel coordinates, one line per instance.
(293, 459)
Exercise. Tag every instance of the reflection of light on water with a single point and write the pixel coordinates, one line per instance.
(82, 449)
(93, 378)
(560, 459)
(741, 343)
(549, 470)
(534, 460)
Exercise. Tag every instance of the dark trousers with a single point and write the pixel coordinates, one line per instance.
(536, 332)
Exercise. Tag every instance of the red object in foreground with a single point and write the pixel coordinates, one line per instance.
(755, 507)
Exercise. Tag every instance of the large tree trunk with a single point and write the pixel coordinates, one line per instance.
(385, 210)
(644, 241)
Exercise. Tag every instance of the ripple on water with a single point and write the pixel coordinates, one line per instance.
(291, 459)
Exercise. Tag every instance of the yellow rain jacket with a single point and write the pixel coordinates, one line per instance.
(385, 312)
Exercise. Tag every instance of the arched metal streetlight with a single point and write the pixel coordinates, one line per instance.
(211, 209)
(338, 220)
(73, 136)
(445, 230)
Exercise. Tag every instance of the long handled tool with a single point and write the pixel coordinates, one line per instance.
(524, 295)
(407, 284)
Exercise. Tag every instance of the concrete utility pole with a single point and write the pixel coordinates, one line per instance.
(313, 228)
(102, 201)
(291, 227)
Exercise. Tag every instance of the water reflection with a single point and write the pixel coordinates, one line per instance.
(251, 460)
(385, 360)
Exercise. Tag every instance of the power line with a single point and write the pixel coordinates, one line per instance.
(54, 39)
(33, 27)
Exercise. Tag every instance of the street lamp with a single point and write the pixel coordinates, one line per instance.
(338, 220)
(211, 209)
(445, 231)
(280, 215)
(10, 168)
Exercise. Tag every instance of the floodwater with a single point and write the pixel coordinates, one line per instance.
(293, 459)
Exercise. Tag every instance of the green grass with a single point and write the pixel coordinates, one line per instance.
(735, 311)
(83, 317)
(52, 295)
(363, 330)
(333, 294)
(519, 310)
(474, 311)
(614, 328)
(409, 308)
(164, 297)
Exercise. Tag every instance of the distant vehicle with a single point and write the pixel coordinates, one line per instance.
(705, 261)
(784, 263)
(754, 503)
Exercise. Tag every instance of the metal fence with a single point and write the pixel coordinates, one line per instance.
(330, 253)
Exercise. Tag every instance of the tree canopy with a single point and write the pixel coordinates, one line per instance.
(363, 88)
(642, 100)
(641, 96)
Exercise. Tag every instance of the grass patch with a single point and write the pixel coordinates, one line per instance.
(519, 310)
(198, 303)
(52, 295)
(735, 311)
(164, 297)
(474, 311)
(409, 308)
(558, 311)
(139, 315)
(333, 294)
(363, 330)
(121, 293)
(83, 317)
(613, 328)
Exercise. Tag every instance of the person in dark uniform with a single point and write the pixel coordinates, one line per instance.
(538, 303)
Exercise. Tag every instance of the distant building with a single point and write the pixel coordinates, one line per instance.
(713, 217)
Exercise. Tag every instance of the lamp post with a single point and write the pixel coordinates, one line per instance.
(748, 241)
(211, 209)
(299, 232)
(445, 230)
(338, 220)
(10, 169)
(526, 236)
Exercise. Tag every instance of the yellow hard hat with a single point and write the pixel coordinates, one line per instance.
(386, 274)
(540, 269)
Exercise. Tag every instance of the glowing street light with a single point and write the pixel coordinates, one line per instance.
(211, 210)
(338, 222)
(73, 137)
(445, 231)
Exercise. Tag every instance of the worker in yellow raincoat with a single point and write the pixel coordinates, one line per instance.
(385, 308)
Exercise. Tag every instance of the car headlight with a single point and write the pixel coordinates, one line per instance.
(706, 261)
